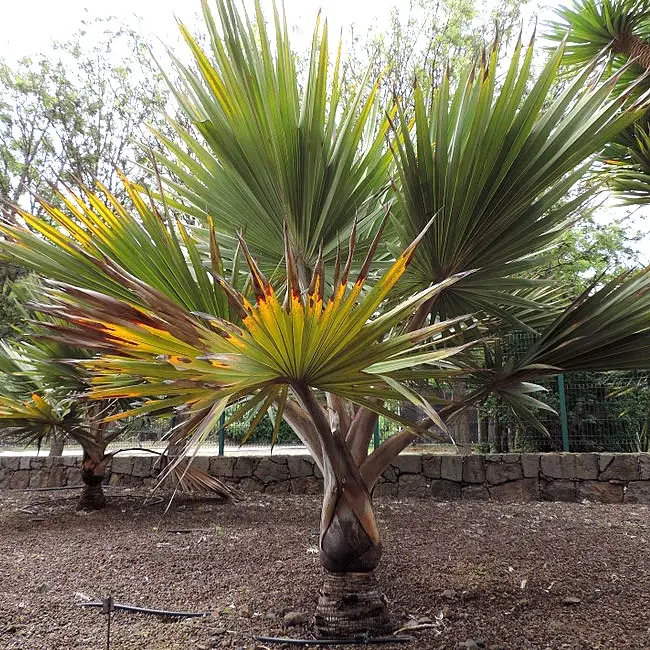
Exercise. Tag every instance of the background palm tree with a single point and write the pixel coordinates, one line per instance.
(617, 33)
(43, 398)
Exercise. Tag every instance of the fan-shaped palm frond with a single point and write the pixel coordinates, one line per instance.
(275, 149)
(154, 349)
(492, 163)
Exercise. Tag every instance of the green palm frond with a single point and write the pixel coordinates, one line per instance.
(273, 148)
(99, 231)
(492, 162)
(599, 28)
(153, 349)
(628, 161)
(603, 330)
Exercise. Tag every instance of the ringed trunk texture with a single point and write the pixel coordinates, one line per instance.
(350, 603)
(92, 493)
(634, 48)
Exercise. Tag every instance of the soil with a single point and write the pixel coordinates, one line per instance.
(482, 575)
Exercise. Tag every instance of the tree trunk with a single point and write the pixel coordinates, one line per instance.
(350, 602)
(483, 439)
(351, 605)
(458, 423)
(634, 48)
(92, 494)
(56, 445)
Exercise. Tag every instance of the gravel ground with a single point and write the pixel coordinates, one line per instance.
(466, 575)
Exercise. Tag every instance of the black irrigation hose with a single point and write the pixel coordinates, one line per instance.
(354, 641)
(145, 610)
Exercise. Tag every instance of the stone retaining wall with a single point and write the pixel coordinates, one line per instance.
(605, 478)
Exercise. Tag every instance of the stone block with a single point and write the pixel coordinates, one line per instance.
(601, 491)
(122, 464)
(519, 491)
(73, 477)
(560, 466)
(25, 462)
(244, 467)
(451, 467)
(306, 485)
(408, 464)
(300, 467)
(317, 473)
(19, 480)
(604, 460)
(37, 463)
(530, 465)
(202, 463)
(473, 469)
(5, 474)
(38, 478)
(474, 493)
(57, 476)
(586, 466)
(282, 487)
(431, 465)
(412, 485)
(271, 471)
(115, 479)
(560, 490)
(501, 468)
(389, 475)
(619, 467)
(75, 461)
(442, 490)
(222, 466)
(142, 466)
(10, 462)
(644, 466)
(637, 492)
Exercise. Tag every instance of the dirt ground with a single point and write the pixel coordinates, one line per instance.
(466, 575)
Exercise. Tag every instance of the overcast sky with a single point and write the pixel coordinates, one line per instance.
(29, 26)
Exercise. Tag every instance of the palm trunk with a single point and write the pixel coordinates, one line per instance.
(92, 475)
(56, 445)
(350, 603)
(634, 48)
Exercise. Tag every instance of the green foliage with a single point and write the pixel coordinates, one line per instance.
(493, 162)
(421, 42)
(596, 28)
(73, 115)
(591, 250)
(262, 433)
(274, 150)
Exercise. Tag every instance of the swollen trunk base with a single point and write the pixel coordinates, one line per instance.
(351, 605)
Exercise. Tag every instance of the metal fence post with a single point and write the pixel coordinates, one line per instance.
(222, 433)
(376, 434)
(563, 415)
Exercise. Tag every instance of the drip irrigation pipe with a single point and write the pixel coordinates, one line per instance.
(354, 641)
(146, 610)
